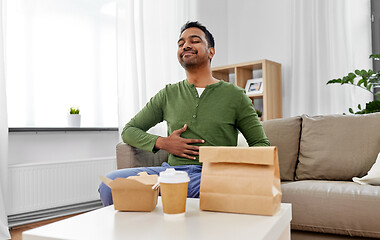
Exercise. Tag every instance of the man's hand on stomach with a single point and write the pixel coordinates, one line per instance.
(179, 146)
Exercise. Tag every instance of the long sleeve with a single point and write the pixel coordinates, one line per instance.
(249, 124)
(134, 132)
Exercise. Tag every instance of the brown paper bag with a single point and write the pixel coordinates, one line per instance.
(240, 180)
(134, 193)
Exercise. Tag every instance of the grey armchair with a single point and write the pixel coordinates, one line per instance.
(129, 157)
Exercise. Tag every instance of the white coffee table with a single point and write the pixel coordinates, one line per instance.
(106, 223)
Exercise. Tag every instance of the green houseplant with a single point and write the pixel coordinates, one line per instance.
(74, 111)
(74, 118)
(365, 80)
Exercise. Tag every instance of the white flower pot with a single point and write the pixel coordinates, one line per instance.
(73, 120)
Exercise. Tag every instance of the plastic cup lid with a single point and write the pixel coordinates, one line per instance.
(170, 175)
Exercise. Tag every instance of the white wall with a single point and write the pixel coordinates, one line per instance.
(248, 30)
(214, 15)
(43, 147)
(259, 30)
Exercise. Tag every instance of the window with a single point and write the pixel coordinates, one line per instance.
(375, 8)
(60, 54)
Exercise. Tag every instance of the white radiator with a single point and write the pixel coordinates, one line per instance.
(33, 187)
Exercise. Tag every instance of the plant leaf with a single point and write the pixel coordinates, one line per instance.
(334, 81)
(375, 56)
(373, 106)
(351, 111)
(352, 75)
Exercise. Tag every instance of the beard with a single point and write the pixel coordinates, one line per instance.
(193, 61)
(189, 64)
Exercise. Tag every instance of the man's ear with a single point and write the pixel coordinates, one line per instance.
(211, 52)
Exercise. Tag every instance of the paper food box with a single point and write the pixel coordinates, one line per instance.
(240, 180)
(134, 193)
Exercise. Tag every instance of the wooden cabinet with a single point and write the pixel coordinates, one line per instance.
(270, 100)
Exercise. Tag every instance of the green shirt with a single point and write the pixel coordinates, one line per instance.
(215, 116)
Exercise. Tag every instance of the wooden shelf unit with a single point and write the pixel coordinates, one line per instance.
(272, 87)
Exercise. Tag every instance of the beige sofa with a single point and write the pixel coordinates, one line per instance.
(318, 157)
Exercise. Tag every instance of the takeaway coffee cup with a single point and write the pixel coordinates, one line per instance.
(173, 186)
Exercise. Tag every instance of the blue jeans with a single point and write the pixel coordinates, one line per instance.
(194, 172)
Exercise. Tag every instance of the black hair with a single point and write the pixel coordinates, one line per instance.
(209, 37)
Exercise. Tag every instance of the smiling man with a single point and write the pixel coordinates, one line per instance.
(200, 111)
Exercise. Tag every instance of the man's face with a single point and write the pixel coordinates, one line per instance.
(193, 48)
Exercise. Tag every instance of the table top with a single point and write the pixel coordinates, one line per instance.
(107, 223)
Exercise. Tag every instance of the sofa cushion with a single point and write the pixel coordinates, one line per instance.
(338, 207)
(338, 147)
(285, 134)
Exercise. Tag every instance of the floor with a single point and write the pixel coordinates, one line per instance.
(16, 232)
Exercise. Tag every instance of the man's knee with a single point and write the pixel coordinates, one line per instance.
(123, 173)
(105, 195)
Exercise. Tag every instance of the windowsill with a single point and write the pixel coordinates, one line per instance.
(61, 129)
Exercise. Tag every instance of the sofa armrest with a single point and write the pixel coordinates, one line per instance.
(130, 157)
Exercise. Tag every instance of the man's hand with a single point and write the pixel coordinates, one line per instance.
(179, 146)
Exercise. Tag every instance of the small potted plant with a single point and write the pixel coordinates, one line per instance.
(259, 114)
(73, 119)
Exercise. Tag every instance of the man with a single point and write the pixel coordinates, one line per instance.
(200, 111)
